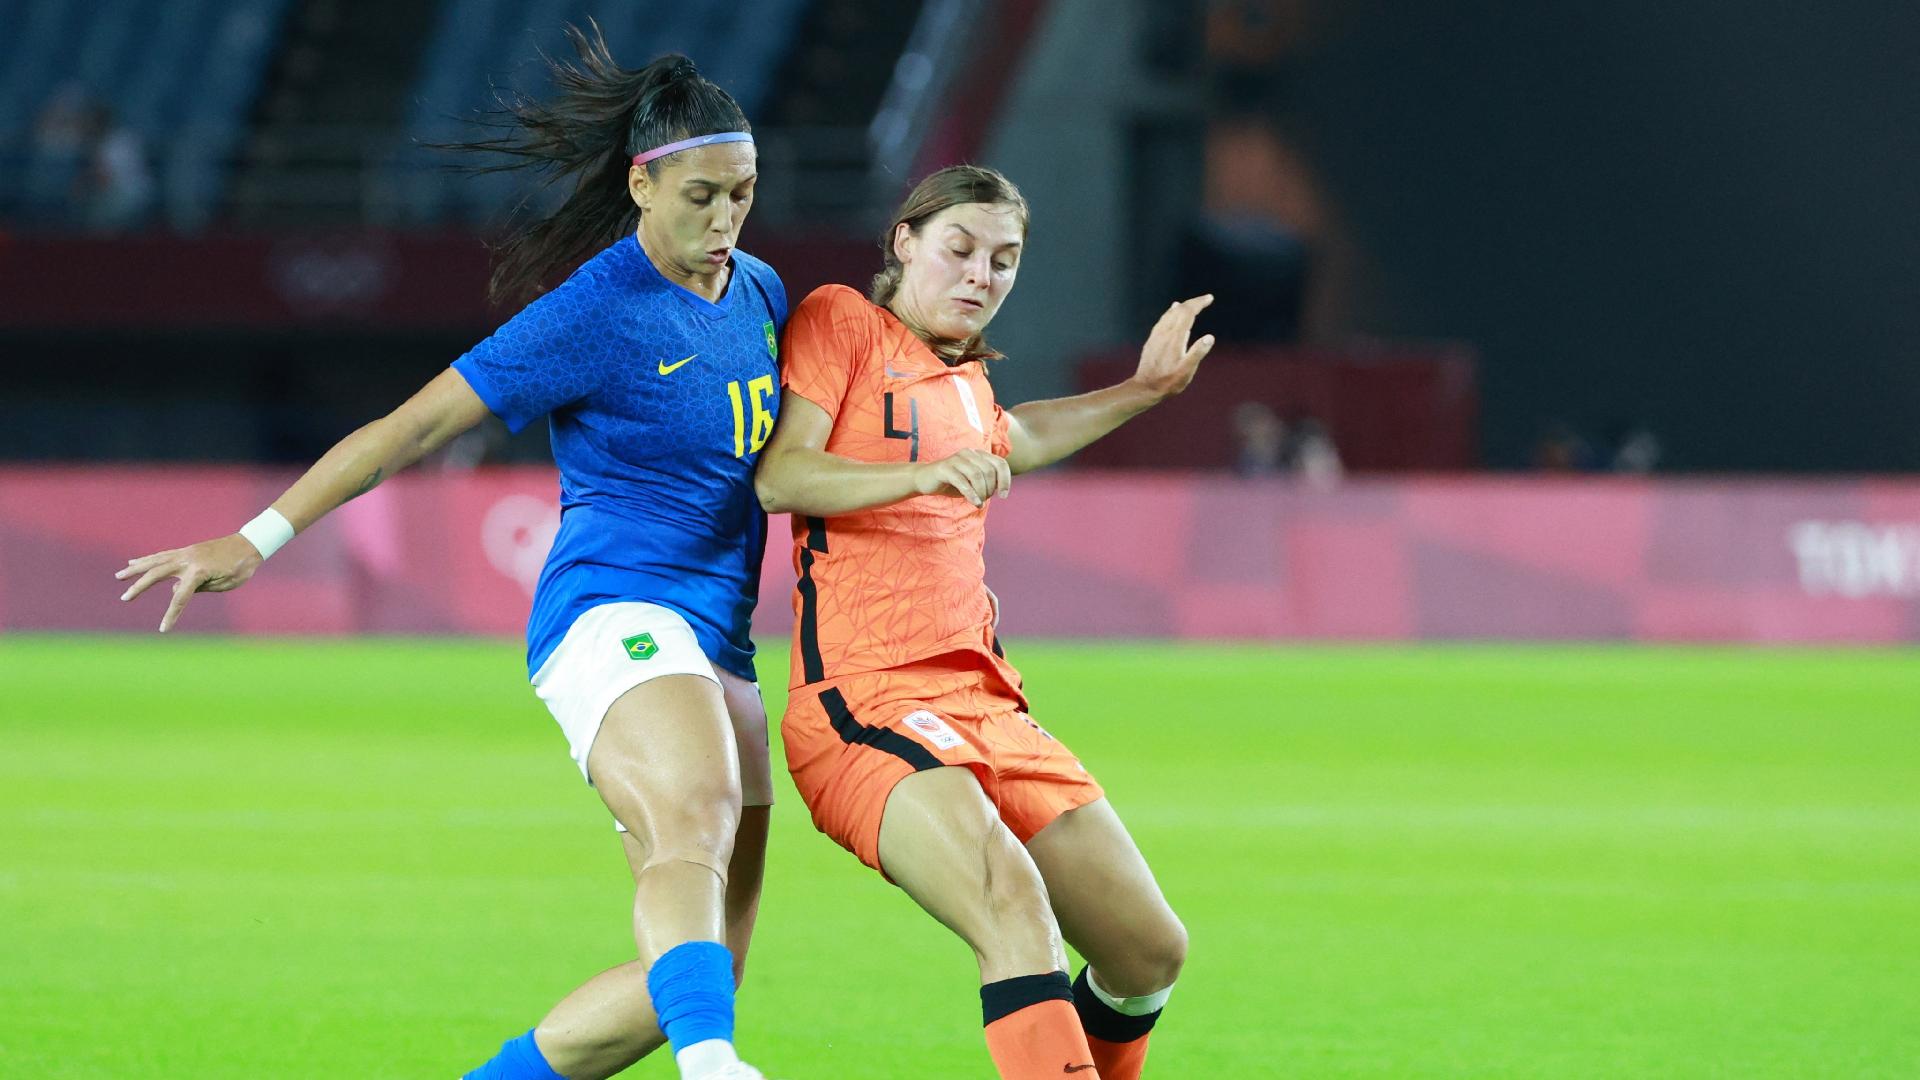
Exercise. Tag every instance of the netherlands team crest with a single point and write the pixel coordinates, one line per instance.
(934, 728)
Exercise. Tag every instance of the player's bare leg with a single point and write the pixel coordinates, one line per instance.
(1111, 909)
(944, 844)
(665, 762)
(608, 1023)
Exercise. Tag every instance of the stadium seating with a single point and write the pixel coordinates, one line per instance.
(739, 46)
(184, 75)
(181, 74)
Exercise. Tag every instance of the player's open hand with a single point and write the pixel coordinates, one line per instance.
(1168, 360)
(209, 566)
(973, 475)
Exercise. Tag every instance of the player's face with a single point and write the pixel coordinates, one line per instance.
(691, 213)
(959, 267)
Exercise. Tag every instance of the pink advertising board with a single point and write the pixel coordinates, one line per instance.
(1088, 554)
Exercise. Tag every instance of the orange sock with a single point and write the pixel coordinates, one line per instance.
(1119, 1060)
(1118, 1041)
(1033, 1032)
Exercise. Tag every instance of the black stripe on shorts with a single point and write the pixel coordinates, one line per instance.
(852, 731)
(811, 667)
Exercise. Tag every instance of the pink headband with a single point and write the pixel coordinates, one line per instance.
(688, 144)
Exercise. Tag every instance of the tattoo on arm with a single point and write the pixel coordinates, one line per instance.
(366, 484)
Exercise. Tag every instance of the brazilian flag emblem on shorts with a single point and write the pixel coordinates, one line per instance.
(640, 647)
(773, 343)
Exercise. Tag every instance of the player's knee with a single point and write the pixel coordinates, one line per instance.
(1004, 892)
(1167, 954)
(698, 834)
(1152, 962)
(700, 812)
(703, 856)
(708, 796)
(1013, 895)
(709, 811)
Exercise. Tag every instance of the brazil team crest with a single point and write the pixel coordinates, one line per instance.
(773, 343)
(640, 647)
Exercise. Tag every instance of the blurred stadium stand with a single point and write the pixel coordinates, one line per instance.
(313, 113)
(180, 74)
(1585, 198)
(222, 241)
(1387, 407)
(739, 46)
(303, 254)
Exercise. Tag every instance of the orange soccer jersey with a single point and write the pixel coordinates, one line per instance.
(895, 664)
(884, 587)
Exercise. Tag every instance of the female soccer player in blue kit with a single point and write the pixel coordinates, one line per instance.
(656, 363)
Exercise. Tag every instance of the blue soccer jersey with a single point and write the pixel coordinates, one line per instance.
(660, 402)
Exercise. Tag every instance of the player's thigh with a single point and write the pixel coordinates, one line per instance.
(748, 713)
(1109, 905)
(665, 762)
(849, 745)
(944, 844)
(641, 704)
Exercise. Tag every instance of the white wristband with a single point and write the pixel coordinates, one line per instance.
(268, 532)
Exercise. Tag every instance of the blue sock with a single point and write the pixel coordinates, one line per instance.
(518, 1059)
(692, 988)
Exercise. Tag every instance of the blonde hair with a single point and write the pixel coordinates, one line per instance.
(955, 185)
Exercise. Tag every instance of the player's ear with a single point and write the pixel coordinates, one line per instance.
(904, 242)
(640, 187)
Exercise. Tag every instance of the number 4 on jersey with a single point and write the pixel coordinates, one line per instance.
(750, 440)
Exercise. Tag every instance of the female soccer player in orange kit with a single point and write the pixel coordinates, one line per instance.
(906, 731)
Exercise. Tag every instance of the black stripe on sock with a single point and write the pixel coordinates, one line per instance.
(1102, 1022)
(853, 731)
(1009, 996)
(813, 670)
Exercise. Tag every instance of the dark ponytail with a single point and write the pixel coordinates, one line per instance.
(603, 116)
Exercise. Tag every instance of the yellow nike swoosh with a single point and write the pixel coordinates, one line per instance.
(668, 369)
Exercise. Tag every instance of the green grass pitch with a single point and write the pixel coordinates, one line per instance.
(226, 858)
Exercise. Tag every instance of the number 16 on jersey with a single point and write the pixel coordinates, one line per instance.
(759, 391)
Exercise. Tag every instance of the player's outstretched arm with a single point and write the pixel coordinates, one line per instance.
(796, 475)
(1043, 432)
(442, 409)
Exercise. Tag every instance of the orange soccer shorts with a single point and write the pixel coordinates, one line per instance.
(850, 740)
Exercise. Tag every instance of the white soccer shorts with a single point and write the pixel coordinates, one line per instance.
(609, 650)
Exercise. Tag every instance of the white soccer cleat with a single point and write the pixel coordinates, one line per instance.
(713, 1059)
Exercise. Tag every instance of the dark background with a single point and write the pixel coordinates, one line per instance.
(1701, 219)
(1705, 215)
